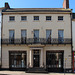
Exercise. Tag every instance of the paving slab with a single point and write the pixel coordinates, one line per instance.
(23, 73)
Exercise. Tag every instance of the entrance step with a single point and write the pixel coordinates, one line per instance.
(36, 70)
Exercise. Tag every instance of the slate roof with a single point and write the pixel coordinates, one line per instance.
(36, 10)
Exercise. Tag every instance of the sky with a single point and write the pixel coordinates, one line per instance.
(37, 3)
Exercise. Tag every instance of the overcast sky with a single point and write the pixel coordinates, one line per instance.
(37, 3)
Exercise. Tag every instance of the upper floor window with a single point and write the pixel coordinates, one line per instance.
(11, 36)
(36, 33)
(36, 17)
(48, 36)
(23, 18)
(60, 18)
(60, 36)
(11, 18)
(36, 36)
(48, 17)
(23, 36)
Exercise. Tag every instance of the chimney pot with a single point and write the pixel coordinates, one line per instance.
(7, 5)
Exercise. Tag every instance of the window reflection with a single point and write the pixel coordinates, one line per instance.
(54, 60)
(17, 59)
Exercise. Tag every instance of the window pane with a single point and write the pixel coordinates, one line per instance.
(48, 17)
(48, 34)
(36, 17)
(23, 59)
(60, 17)
(18, 60)
(23, 33)
(23, 36)
(11, 18)
(60, 34)
(60, 57)
(54, 60)
(23, 17)
(11, 34)
(36, 33)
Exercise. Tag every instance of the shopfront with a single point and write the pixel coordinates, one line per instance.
(17, 60)
(54, 61)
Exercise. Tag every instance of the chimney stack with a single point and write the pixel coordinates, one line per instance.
(7, 5)
(66, 4)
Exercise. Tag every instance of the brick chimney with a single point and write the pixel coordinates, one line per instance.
(7, 5)
(66, 4)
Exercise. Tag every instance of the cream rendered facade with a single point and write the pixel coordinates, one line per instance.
(0, 36)
(42, 25)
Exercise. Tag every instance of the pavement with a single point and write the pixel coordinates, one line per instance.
(23, 73)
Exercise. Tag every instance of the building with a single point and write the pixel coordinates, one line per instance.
(0, 32)
(0, 36)
(37, 38)
(73, 35)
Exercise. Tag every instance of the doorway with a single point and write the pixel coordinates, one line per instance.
(36, 58)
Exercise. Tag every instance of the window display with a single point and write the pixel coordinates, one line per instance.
(17, 59)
